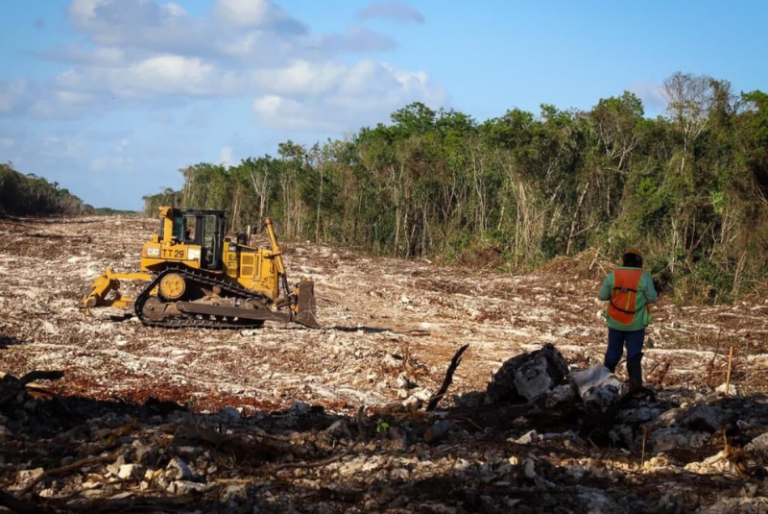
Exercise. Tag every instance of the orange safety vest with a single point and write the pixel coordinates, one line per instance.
(624, 294)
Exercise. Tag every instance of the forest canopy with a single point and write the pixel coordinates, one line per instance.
(689, 187)
(24, 195)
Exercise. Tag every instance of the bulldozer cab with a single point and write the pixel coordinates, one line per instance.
(198, 227)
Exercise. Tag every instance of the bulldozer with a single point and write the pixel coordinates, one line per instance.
(198, 276)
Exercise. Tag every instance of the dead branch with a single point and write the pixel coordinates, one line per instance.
(69, 467)
(268, 446)
(19, 506)
(11, 385)
(728, 375)
(447, 380)
(33, 376)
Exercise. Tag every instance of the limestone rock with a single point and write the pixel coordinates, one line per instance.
(177, 469)
(597, 387)
(527, 376)
(130, 472)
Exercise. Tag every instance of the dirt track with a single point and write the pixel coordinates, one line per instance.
(369, 307)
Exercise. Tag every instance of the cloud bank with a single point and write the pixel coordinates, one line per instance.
(145, 51)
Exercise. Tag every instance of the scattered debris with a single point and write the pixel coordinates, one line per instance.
(269, 420)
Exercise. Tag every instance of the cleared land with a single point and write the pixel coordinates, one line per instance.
(390, 330)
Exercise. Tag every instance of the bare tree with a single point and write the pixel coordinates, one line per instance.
(690, 98)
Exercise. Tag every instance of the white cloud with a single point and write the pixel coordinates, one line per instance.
(302, 78)
(168, 74)
(100, 14)
(394, 10)
(7, 142)
(364, 94)
(83, 12)
(260, 14)
(652, 95)
(147, 53)
(301, 95)
(226, 157)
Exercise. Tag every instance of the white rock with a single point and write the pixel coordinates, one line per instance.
(391, 362)
(530, 469)
(235, 492)
(729, 390)
(528, 438)
(130, 471)
(186, 487)
(759, 444)
(177, 469)
(28, 474)
(402, 381)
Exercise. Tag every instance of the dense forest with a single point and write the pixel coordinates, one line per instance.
(24, 195)
(690, 187)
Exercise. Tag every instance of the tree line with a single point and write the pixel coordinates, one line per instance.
(30, 195)
(689, 187)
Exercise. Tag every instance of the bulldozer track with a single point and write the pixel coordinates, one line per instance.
(190, 321)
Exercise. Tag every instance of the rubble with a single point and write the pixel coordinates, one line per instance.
(704, 418)
(597, 387)
(527, 376)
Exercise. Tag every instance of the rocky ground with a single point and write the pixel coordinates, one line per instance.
(269, 420)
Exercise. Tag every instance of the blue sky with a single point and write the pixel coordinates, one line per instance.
(111, 97)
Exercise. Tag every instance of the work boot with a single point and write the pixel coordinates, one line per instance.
(635, 373)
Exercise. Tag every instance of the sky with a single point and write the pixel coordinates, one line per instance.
(110, 98)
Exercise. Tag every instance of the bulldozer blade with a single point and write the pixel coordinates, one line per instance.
(233, 312)
(306, 313)
(106, 283)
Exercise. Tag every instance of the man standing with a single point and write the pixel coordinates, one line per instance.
(630, 292)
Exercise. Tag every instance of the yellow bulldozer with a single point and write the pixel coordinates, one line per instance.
(197, 276)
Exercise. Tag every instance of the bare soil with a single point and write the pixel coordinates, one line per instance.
(383, 320)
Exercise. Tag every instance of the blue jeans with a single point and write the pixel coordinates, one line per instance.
(616, 340)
